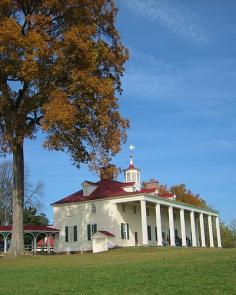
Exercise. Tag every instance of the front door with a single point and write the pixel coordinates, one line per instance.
(136, 238)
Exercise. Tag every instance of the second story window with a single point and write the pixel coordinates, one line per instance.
(135, 209)
(93, 209)
(148, 211)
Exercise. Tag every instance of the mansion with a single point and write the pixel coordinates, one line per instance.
(109, 213)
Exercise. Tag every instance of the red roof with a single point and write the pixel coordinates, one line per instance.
(166, 195)
(106, 233)
(30, 227)
(106, 189)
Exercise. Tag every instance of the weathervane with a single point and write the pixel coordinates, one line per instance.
(131, 149)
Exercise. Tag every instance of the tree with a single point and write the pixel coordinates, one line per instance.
(227, 236)
(32, 195)
(232, 227)
(32, 216)
(185, 195)
(6, 186)
(60, 69)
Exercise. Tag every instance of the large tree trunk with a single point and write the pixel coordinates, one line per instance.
(17, 242)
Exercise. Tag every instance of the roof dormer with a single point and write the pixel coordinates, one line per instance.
(88, 188)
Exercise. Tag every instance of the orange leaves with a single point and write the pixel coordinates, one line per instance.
(58, 110)
(67, 59)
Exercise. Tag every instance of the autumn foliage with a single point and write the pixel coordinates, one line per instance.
(60, 68)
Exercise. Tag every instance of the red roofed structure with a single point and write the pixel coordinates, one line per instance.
(39, 234)
(110, 213)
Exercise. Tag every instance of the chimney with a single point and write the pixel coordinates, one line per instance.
(153, 183)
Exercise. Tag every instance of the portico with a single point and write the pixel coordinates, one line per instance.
(176, 224)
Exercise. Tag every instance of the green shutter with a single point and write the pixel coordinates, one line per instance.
(66, 231)
(122, 230)
(156, 233)
(127, 228)
(95, 228)
(75, 233)
(89, 232)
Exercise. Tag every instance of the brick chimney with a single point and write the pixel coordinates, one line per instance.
(152, 183)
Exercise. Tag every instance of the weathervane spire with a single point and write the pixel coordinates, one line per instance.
(131, 148)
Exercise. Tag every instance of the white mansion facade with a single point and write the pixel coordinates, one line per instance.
(128, 215)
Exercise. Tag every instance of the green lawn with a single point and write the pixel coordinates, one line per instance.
(123, 271)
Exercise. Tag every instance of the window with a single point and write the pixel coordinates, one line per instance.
(93, 209)
(155, 233)
(123, 207)
(128, 177)
(124, 231)
(135, 209)
(149, 230)
(71, 233)
(147, 211)
(91, 230)
(174, 216)
(134, 177)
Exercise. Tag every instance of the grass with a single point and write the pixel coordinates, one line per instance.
(123, 271)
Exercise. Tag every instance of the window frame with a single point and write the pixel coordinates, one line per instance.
(124, 231)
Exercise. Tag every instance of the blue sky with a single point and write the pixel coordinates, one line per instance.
(180, 96)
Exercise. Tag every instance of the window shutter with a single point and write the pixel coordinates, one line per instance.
(127, 231)
(95, 228)
(156, 233)
(75, 233)
(149, 233)
(122, 230)
(89, 231)
(66, 232)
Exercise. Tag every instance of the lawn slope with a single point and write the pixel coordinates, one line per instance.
(124, 271)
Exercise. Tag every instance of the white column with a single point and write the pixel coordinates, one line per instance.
(49, 246)
(35, 244)
(183, 230)
(218, 232)
(5, 244)
(210, 231)
(144, 222)
(193, 229)
(203, 239)
(171, 226)
(158, 224)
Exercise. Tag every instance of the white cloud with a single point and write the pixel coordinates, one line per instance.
(173, 15)
(222, 143)
(204, 86)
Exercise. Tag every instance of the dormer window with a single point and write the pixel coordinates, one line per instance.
(88, 188)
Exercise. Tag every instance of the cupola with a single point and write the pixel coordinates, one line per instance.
(132, 174)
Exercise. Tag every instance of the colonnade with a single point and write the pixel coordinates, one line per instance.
(182, 225)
